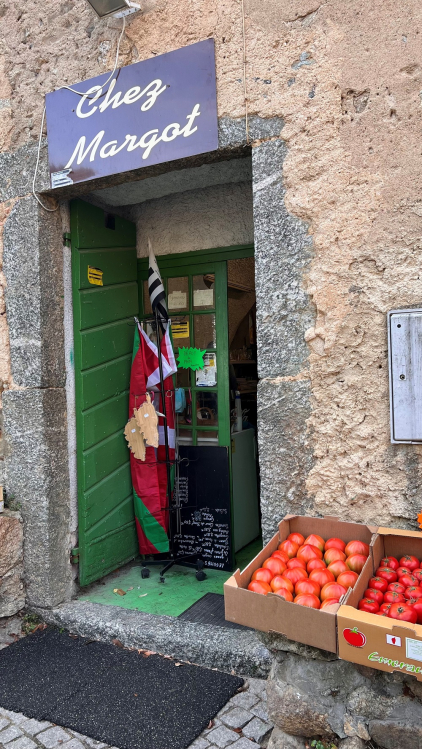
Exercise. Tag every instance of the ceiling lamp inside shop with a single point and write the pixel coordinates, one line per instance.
(118, 8)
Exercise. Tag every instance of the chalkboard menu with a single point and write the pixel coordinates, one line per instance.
(204, 494)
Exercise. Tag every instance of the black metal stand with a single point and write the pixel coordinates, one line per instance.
(172, 559)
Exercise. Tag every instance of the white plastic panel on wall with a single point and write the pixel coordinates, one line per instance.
(405, 364)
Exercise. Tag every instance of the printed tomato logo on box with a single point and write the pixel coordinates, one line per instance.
(354, 637)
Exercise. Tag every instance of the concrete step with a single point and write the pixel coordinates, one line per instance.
(206, 645)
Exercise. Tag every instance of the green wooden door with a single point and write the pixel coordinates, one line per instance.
(103, 341)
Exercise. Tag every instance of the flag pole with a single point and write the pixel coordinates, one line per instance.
(166, 439)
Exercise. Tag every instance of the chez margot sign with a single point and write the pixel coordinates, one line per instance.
(157, 110)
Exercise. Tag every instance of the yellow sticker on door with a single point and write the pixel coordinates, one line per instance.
(180, 329)
(95, 276)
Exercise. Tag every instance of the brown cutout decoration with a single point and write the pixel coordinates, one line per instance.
(135, 439)
(147, 421)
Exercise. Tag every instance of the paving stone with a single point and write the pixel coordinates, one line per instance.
(8, 734)
(92, 742)
(3, 723)
(258, 686)
(215, 723)
(52, 737)
(33, 726)
(244, 743)
(17, 718)
(245, 700)
(257, 730)
(222, 737)
(200, 743)
(260, 711)
(74, 744)
(237, 718)
(24, 742)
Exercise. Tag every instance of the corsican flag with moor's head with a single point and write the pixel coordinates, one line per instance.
(156, 290)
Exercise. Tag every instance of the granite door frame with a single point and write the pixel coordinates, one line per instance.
(35, 407)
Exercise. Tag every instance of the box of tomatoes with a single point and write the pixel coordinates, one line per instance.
(380, 625)
(296, 584)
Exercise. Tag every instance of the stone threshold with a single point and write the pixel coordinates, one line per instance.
(202, 644)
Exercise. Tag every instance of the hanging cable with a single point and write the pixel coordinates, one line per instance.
(244, 73)
(79, 93)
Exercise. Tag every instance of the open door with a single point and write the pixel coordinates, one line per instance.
(105, 299)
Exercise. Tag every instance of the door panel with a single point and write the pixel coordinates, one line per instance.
(103, 343)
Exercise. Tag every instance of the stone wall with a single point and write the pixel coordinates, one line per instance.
(12, 594)
(311, 693)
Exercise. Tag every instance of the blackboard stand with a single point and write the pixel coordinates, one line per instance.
(173, 508)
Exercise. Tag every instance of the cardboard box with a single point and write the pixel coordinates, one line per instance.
(271, 613)
(379, 642)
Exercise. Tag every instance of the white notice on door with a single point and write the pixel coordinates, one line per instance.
(203, 297)
(177, 300)
(414, 649)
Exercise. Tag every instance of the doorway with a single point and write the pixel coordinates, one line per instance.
(210, 297)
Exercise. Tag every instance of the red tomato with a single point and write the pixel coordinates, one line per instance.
(417, 606)
(397, 587)
(390, 596)
(378, 584)
(329, 602)
(332, 590)
(335, 543)
(356, 547)
(322, 577)
(385, 607)
(308, 600)
(403, 612)
(410, 562)
(308, 552)
(409, 580)
(314, 540)
(258, 586)
(338, 567)
(348, 579)
(276, 566)
(284, 593)
(413, 591)
(366, 604)
(403, 571)
(297, 538)
(381, 613)
(289, 547)
(387, 574)
(280, 561)
(334, 555)
(317, 564)
(281, 582)
(292, 563)
(390, 562)
(374, 595)
(418, 575)
(356, 562)
(280, 555)
(295, 575)
(303, 587)
(263, 575)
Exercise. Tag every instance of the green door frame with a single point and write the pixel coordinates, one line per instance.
(196, 263)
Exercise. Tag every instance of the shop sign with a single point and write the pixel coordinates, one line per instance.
(154, 111)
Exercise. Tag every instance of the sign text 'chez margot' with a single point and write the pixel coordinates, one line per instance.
(157, 110)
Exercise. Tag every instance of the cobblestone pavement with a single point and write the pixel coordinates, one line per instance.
(242, 722)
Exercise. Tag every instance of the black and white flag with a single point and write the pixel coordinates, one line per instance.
(156, 290)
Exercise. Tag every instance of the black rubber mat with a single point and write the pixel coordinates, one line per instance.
(114, 695)
(209, 610)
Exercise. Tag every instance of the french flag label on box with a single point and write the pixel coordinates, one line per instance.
(393, 640)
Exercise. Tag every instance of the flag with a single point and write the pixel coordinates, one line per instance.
(156, 290)
(149, 477)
